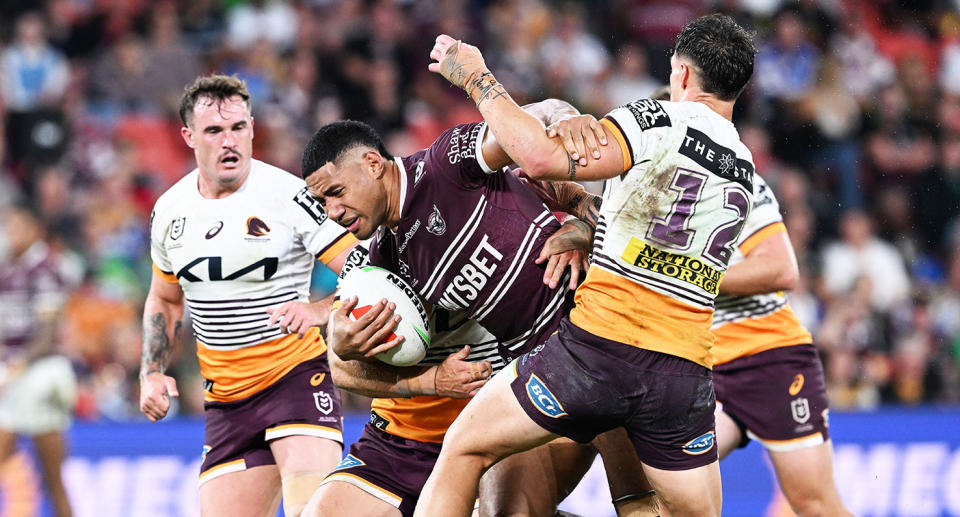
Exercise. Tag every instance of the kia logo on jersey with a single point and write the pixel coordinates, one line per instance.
(256, 227)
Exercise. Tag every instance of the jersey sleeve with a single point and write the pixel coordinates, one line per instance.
(158, 252)
(634, 126)
(764, 218)
(457, 153)
(320, 236)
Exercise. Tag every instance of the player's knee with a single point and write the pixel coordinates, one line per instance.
(691, 506)
(298, 489)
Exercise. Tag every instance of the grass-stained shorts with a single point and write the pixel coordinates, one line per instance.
(579, 385)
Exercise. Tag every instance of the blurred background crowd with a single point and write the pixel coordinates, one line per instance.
(853, 117)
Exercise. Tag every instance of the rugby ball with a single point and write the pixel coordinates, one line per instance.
(370, 284)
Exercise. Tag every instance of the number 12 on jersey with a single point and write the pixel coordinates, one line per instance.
(673, 230)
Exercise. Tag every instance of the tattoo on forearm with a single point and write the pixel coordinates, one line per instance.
(157, 348)
(571, 168)
(591, 212)
(487, 87)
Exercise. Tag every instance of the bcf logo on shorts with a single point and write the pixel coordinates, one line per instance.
(700, 444)
(541, 397)
(323, 401)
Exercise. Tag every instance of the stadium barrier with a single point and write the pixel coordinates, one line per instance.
(893, 462)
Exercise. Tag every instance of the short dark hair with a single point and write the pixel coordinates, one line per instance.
(722, 50)
(333, 140)
(217, 88)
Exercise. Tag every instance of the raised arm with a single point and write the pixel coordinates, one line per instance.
(547, 112)
(521, 135)
(162, 326)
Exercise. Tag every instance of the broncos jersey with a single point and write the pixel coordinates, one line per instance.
(668, 227)
(745, 325)
(234, 257)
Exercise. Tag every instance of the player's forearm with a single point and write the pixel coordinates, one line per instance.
(380, 380)
(162, 329)
(758, 275)
(521, 134)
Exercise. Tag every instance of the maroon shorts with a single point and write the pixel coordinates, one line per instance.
(388, 467)
(579, 385)
(302, 402)
(777, 397)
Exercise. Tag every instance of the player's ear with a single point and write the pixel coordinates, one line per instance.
(374, 164)
(187, 135)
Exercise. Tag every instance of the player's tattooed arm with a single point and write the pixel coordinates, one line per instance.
(157, 343)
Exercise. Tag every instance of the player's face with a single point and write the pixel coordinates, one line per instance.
(352, 196)
(221, 136)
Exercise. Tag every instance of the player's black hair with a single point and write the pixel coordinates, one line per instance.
(722, 50)
(217, 88)
(331, 141)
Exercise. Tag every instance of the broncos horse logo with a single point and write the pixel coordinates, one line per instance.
(256, 227)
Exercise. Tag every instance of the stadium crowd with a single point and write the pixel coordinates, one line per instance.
(853, 118)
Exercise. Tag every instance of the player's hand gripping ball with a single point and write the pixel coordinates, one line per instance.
(371, 284)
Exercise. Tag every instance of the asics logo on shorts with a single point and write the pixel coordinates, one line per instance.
(349, 462)
(797, 384)
(541, 397)
(700, 444)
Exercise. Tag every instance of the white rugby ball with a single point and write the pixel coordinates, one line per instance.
(371, 284)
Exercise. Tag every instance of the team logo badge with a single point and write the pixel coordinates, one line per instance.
(206, 450)
(826, 417)
(797, 384)
(541, 397)
(800, 408)
(435, 223)
(212, 232)
(349, 462)
(256, 227)
(317, 379)
(323, 401)
(700, 444)
(176, 228)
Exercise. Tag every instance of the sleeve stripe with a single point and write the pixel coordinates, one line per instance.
(625, 146)
(336, 247)
(478, 151)
(167, 277)
(761, 235)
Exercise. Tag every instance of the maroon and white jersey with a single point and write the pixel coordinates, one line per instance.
(31, 285)
(467, 240)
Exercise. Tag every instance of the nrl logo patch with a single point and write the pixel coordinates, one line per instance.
(435, 223)
(176, 228)
(323, 401)
(800, 408)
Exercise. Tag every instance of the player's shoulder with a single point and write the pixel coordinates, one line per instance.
(270, 178)
(180, 192)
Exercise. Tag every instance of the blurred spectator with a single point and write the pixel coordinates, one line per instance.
(33, 73)
(629, 80)
(787, 64)
(860, 257)
(270, 20)
(899, 146)
(572, 58)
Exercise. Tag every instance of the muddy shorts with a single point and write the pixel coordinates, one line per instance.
(579, 385)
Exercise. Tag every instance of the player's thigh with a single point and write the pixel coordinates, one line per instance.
(254, 492)
(557, 467)
(336, 498)
(806, 477)
(729, 435)
(493, 425)
(687, 493)
(297, 454)
(630, 491)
